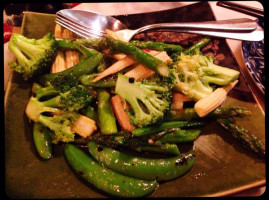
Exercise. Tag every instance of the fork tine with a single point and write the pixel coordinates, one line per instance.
(78, 26)
(76, 29)
(70, 20)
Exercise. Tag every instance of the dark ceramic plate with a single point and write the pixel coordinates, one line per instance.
(253, 53)
(222, 167)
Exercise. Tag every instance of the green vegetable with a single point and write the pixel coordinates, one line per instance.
(145, 168)
(86, 66)
(179, 136)
(33, 56)
(165, 125)
(199, 45)
(158, 46)
(220, 112)
(140, 56)
(89, 111)
(149, 103)
(243, 136)
(107, 120)
(42, 140)
(170, 149)
(104, 83)
(58, 111)
(198, 74)
(105, 179)
(98, 44)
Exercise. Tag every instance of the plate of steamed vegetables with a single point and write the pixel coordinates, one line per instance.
(129, 119)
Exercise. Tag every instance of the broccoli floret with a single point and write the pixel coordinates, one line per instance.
(198, 75)
(76, 98)
(63, 83)
(149, 102)
(58, 111)
(33, 56)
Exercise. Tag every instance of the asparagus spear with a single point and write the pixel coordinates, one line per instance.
(158, 46)
(202, 43)
(220, 112)
(140, 56)
(242, 135)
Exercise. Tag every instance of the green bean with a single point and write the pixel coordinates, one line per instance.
(105, 179)
(107, 120)
(140, 56)
(42, 140)
(159, 169)
(158, 46)
(165, 125)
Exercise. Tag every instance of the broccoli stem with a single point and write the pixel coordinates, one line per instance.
(243, 136)
(140, 56)
(107, 120)
(220, 112)
(158, 46)
(202, 43)
(141, 131)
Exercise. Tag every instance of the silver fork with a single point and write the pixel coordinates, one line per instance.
(241, 29)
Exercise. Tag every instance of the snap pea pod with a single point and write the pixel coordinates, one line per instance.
(86, 66)
(105, 179)
(179, 136)
(107, 120)
(42, 140)
(158, 46)
(140, 56)
(145, 168)
(165, 125)
(166, 148)
(87, 80)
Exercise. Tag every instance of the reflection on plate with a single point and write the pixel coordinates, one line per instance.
(253, 53)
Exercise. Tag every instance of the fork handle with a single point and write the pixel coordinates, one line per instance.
(236, 25)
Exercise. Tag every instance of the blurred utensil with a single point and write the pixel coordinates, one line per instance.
(92, 24)
(256, 12)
